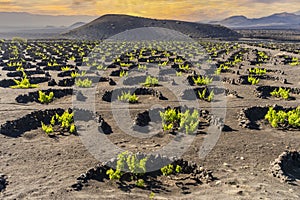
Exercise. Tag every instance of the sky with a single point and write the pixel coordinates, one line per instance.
(189, 10)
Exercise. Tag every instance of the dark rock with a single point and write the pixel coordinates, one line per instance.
(52, 82)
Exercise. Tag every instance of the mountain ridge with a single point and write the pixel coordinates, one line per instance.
(282, 20)
(28, 20)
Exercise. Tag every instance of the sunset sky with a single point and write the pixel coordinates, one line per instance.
(191, 10)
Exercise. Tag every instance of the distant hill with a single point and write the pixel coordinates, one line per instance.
(21, 20)
(76, 25)
(112, 24)
(275, 21)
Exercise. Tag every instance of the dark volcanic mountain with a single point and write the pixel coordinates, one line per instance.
(275, 21)
(109, 25)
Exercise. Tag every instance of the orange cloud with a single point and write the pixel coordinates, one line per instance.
(192, 10)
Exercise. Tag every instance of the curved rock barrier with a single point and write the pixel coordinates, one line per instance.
(34, 96)
(190, 174)
(110, 96)
(287, 166)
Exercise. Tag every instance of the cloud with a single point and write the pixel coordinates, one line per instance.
(192, 10)
(83, 2)
(6, 2)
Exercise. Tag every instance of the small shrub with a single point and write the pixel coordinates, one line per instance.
(140, 183)
(65, 68)
(129, 162)
(101, 67)
(66, 119)
(183, 67)
(86, 83)
(47, 129)
(62, 123)
(167, 127)
(200, 80)
(127, 97)
(151, 195)
(294, 62)
(76, 74)
(169, 169)
(172, 119)
(282, 118)
(169, 117)
(43, 98)
(178, 73)
(253, 80)
(281, 93)
(202, 95)
(189, 122)
(163, 64)
(258, 71)
(24, 83)
(142, 67)
(114, 174)
(222, 68)
(178, 169)
(125, 65)
(123, 73)
(150, 82)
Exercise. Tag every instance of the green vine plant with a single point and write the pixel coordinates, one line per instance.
(222, 68)
(48, 129)
(163, 64)
(257, 71)
(203, 95)
(24, 83)
(173, 120)
(140, 183)
(14, 64)
(72, 58)
(64, 69)
(123, 73)
(86, 83)
(127, 65)
(63, 123)
(189, 122)
(44, 98)
(150, 82)
(184, 68)
(281, 93)
(294, 62)
(253, 80)
(101, 67)
(178, 73)
(201, 80)
(169, 169)
(20, 69)
(169, 118)
(127, 97)
(178, 60)
(283, 119)
(76, 74)
(129, 162)
(151, 195)
(262, 57)
(142, 67)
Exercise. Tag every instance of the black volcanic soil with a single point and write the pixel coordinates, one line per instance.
(39, 167)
